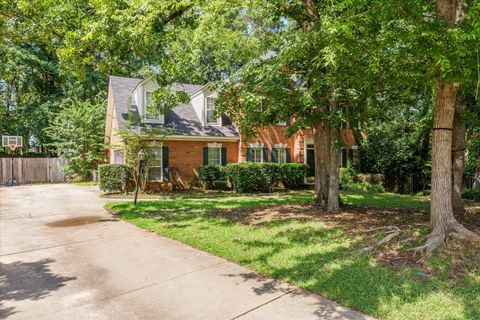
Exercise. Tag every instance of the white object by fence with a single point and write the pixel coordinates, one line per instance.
(32, 170)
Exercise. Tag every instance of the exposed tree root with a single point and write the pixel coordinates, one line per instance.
(437, 238)
(390, 236)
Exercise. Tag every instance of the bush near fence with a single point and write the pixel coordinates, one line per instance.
(114, 177)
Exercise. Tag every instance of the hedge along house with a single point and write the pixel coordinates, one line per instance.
(196, 136)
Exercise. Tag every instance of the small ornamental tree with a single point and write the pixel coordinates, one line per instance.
(77, 132)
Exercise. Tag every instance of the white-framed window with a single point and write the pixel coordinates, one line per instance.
(148, 99)
(214, 154)
(281, 151)
(256, 152)
(282, 155)
(154, 163)
(151, 117)
(210, 112)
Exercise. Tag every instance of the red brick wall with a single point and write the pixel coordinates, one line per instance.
(187, 156)
(276, 134)
(270, 136)
(299, 142)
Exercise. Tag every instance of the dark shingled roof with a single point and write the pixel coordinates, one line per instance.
(183, 117)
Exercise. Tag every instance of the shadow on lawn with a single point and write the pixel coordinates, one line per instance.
(322, 260)
(344, 275)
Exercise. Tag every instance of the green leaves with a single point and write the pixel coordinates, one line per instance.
(77, 134)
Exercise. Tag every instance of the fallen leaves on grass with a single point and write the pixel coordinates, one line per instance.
(387, 234)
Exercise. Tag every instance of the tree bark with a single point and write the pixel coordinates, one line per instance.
(442, 220)
(458, 157)
(322, 144)
(333, 204)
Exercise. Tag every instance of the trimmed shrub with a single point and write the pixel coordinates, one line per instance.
(209, 174)
(293, 174)
(364, 186)
(368, 177)
(253, 177)
(114, 177)
(220, 185)
(471, 194)
(346, 175)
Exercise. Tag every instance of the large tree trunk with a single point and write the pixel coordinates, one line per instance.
(322, 144)
(333, 204)
(458, 157)
(442, 221)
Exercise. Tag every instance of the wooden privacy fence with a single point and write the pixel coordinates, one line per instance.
(32, 170)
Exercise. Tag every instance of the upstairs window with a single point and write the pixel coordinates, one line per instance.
(148, 99)
(151, 116)
(210, 112)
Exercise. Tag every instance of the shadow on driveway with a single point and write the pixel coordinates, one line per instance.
(27, 281)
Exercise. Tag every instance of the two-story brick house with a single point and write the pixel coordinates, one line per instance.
(197, 137)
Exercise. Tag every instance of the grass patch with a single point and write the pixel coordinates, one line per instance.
(84, 183)
(288, 239)
(386, 200)
(204, 194)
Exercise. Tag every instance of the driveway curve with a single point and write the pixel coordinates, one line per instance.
(62, 256)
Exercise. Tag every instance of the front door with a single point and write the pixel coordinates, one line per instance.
(310, 161)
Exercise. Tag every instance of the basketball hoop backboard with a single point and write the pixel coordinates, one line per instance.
(9, 141)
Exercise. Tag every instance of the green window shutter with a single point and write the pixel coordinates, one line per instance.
(224, 156)
(265, 155)
(165, 163)
(249, 154)
(274, 155)
(344, 158)
(288, 155)
(205, 156)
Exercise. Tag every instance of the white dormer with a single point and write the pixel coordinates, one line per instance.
(204, 105)
(143, 98)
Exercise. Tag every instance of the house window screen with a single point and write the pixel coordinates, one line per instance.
(257, 154)
(215, 156)
(211, 119)
(155, 164)
(282, 155)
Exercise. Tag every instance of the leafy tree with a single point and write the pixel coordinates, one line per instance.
(77, 134)
(397, 142)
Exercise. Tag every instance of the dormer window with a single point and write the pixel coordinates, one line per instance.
(148, 116)
(211, 119)
(148, 100)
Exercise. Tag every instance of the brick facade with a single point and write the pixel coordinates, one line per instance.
(187, 156)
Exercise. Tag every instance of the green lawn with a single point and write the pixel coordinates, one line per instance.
(309, 253)
(203, 194)
(84, 183)
(387, 200)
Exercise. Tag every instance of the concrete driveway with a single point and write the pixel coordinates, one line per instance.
(63, 257)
